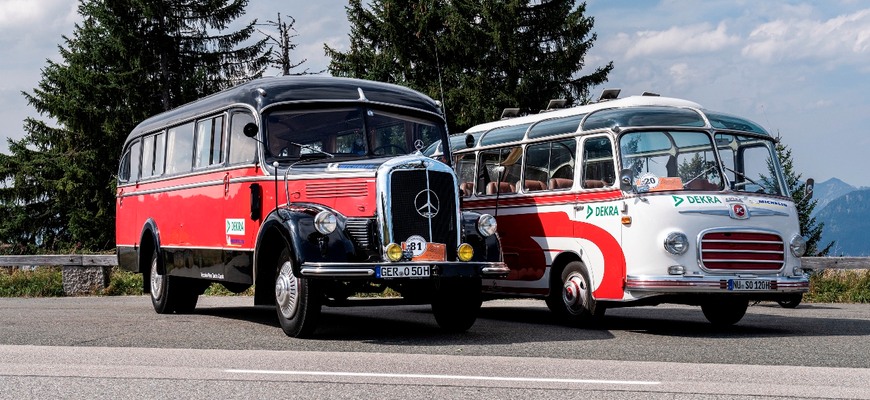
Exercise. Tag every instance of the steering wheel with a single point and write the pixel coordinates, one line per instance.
(386, 146)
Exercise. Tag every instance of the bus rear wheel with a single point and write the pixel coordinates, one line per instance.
(456, 304)
(725, 311)
(170, 294)
(297, 300)
(571, 296)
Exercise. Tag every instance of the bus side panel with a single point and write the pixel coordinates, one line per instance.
(127, 229)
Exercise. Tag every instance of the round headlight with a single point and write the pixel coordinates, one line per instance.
(394, 252)
(677, 243)
(798, 245)
(465, 252)
(486, 225)
(325, 222)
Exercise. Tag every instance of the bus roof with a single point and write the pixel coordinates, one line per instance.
(263, 92)
(623, 102)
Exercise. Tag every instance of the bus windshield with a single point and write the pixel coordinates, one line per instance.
(671, 160)
(345, 133)
(751, 164)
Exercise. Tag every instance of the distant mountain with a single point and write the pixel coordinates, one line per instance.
(829, 191)
(847, 221)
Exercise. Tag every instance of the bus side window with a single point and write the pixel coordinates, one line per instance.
(209, 142)
(598, 165)
(499, 171)
(243, 150)
(465, 173)
(179, 149)
(124, 168)
(135, 152)
(153, 150)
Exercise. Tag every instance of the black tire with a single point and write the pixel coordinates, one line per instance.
(456, 304)
(297, 300)
(571, 296)
(170, 294)
(792, 301)
(725, 311)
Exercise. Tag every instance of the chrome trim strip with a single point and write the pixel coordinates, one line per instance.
(753, 212)
(337, 272)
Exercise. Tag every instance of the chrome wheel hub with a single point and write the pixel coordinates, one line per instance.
(286, 291)
(156, 281)
(574, 293)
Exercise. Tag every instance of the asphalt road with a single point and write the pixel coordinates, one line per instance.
(117, 347)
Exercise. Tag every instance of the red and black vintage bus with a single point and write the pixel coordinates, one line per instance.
(312, 189)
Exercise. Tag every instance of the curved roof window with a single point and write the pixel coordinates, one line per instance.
(643, 116)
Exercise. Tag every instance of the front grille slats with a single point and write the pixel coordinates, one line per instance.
(405, 187)
(360, 231)
(735, 250)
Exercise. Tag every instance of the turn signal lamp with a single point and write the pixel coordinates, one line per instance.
(394, 252)
(465, 252)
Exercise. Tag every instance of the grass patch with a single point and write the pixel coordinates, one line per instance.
(41, 282)
(839, 286)
(123, 283)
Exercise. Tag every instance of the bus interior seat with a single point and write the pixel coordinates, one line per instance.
(532, 185)
(701, 184)
(593, 184)
(466, 188)
(561, 183)
(500, 187)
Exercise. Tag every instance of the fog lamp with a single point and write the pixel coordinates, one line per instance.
(465, 252)
(394, 252)
(676, 270)
(797, 271)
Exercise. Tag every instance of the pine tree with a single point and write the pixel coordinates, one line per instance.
(810, 229)
(478, 57)
(125, 61)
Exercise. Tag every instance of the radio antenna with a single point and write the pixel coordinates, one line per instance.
(440, 85)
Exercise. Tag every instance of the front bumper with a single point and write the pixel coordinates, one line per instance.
(668, 284)
(444, 269)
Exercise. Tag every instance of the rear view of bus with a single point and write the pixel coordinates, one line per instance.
(636, 201)
(310, 189)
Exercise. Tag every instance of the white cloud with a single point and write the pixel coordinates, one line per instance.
(844, 39)
(676, 40)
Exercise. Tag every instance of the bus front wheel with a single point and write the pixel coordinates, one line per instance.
(456, 304)
(297, 300)
(170, 294)
(571, 296)
(725, 311)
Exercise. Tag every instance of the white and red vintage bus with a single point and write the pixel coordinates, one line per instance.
(312, 189)
(635, 201)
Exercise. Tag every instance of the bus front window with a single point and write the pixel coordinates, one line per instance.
(666, 160)
(345, 133)
(751, 164)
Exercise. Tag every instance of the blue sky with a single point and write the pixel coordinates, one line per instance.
(798, 68)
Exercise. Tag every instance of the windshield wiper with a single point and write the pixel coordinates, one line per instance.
(745, 178)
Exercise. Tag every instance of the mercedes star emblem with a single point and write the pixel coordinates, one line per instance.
(427, 203)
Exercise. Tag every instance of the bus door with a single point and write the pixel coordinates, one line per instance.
(245, 204)
(599, 215)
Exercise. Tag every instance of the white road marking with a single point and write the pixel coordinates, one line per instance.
(444, 377)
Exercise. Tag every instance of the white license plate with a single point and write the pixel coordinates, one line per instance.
(407, 271)
(748, 284)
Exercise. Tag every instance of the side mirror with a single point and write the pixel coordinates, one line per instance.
(469, 141)
(250, 130)
(626, 180)
(808, 189)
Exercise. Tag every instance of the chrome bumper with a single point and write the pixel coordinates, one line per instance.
(439, 269)
(712, 284)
